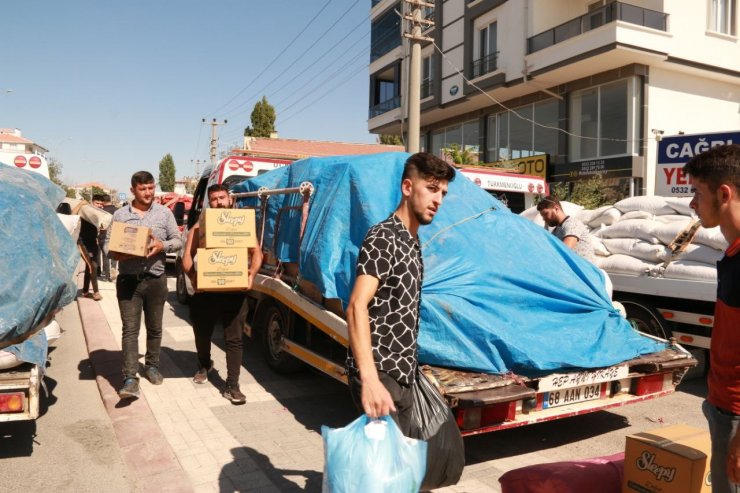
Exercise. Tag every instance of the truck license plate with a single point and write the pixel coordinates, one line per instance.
(572, 395)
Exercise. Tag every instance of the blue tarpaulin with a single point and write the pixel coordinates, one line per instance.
(499, 294)
(37, 260)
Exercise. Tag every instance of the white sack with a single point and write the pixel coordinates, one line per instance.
(637, 215)
(603, 216)
(631, 228)
(673, 218)
(71, 224)
(666, 232)
(711, 237)
(637, 248)
(97, 217)
(701, 253)
(623, 264)
(599, 247)
(533, 215)
(680, 205)
(652, 204)
(686, 269)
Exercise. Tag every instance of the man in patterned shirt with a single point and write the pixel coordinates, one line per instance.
(383, 310)
(569, 229)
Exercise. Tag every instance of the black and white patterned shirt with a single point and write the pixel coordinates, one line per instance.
(390, 254)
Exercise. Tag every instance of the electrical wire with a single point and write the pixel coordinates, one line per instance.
(302, 54)
(274, 59)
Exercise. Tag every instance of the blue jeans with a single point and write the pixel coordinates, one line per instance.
(135, 296)
(722, 427)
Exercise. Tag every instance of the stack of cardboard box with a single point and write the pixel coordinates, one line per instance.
(223, 259)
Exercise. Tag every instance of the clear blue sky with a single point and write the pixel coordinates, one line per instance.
(110, 87)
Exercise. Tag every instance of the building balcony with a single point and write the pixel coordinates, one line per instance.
(615, 11)
(385, 106)
(483, 65)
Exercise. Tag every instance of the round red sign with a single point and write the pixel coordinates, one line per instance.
(530, 187)
(35, 162)
(477, 181)
(20, 161)
(236, 164)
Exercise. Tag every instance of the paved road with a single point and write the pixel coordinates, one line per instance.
(273, 443)
(71, 446)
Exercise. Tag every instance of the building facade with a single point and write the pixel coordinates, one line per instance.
(564, 89)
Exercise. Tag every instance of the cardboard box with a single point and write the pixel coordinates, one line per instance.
(128, 238)
(222, 269)
(227, 228)
(674, 459)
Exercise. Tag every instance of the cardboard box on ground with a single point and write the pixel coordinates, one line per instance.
(674, 459)
(130, 239)
(225, 237)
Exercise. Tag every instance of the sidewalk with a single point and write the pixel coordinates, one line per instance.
(180, 436)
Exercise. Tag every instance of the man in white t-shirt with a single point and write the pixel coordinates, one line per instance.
(573, 232)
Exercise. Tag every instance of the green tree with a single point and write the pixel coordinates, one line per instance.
(55, 175)
(391, 140)
(167, 174)
(591, 193)
(460, 156)
(263, 120)
(86, 195)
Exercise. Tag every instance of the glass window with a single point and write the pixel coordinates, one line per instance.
(521, 133)
(470, 137)
(453, 135)
(438, 142)
(504, 152)
(427, 72)
(546, 139)
(511, 137)
(722, 16)
(491, 141)
(603, 120)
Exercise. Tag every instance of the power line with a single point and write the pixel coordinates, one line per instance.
(274, 59)
(304, 52)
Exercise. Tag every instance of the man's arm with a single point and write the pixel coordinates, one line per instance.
(172, 241)
(376, 400)
(191, 248)
(255, 264)
(571, 241)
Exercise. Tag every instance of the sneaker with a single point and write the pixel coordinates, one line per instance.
(87, 295)
(201, 376)
(97, 296)
(152, 374)
(130, 389)
(235, 395)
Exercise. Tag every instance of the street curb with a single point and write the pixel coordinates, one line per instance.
(146, 452)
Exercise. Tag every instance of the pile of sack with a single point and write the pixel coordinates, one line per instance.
(634, 236)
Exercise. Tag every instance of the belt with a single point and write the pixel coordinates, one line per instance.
(143, 276)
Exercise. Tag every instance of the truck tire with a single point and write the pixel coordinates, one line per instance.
(276, 322)
(646, 319)
(181, 288)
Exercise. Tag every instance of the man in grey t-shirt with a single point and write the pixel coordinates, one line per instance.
(569, 229)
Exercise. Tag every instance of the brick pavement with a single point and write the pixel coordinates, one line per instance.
(203, 443)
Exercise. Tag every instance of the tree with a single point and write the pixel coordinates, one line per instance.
(391, 140)
(263, 120)
(167, 173)
(86, 195)
(460, 156)
(55, 175)
(591, 193)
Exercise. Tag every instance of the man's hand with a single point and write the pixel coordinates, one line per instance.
(376, 400)
(155, 246)
(733, 460)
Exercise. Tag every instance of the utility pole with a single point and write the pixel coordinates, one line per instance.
(214, 138)
(197, 163)
(414, 33)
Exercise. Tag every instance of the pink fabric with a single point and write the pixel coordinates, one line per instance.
(602, 474)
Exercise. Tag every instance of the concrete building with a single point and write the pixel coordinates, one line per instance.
(566, 88)
(22, 152)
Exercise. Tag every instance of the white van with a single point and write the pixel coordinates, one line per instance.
(515, 190)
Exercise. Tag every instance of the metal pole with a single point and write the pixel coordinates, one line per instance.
(412, 144)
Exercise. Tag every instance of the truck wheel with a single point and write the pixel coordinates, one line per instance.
(181, 288)
(276, 323)
(645, 319)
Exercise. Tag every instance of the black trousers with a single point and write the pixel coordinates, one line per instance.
(206, 309)
(134, 296)
(401, 394)
(91, 270)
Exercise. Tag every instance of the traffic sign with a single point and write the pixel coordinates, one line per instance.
(121, 196)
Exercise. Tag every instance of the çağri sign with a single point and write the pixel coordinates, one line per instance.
(675, 151)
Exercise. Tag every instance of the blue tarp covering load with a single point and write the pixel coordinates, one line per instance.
(500, 294)
(37, 259)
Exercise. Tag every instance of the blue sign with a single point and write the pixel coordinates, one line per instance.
(121, 196)
(675, 151)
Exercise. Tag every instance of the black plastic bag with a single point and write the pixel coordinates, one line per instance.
(433, 421)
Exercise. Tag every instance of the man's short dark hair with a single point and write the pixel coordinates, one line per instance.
(428, 166)
(217, 188)
(106, 197)
(141, 178)
(548, 202)
(716, 166)
(99, 197)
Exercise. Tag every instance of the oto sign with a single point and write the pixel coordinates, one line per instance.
(675, 151)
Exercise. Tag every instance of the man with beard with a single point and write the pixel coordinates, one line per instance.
(383, 310)
(715, 176)
(569, 229)
(208, 308)
(142, 283)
